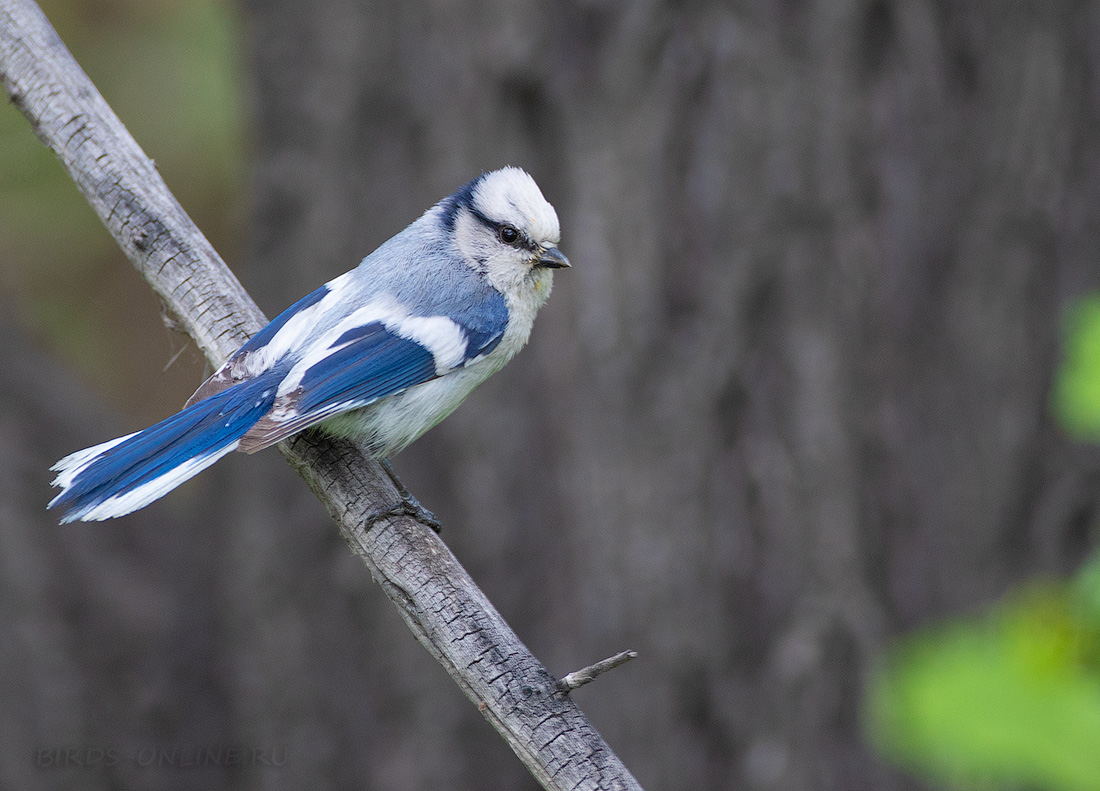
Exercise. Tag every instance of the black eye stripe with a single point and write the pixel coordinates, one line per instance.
(522, 239)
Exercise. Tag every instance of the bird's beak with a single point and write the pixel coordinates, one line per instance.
(552, 258)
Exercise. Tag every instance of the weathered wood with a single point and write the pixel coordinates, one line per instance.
(440, 602)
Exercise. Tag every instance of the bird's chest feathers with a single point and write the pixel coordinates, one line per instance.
(523, 305)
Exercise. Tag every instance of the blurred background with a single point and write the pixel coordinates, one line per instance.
(808, 425)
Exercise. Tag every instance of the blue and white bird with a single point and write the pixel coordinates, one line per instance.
(381, 353)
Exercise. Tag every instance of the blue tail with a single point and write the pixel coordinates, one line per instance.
(128, 473)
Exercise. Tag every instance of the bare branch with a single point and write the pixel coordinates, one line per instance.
(441, 604)
(578, 678)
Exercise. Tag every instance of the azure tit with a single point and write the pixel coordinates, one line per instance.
(380, 354)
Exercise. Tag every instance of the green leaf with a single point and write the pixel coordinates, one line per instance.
(1077, 384)
(1006, 701)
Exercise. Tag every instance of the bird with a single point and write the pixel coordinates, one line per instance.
(379, 354)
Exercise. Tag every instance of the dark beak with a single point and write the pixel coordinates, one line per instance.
(552, 258)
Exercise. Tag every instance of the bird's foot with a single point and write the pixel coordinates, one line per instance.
(409, 505)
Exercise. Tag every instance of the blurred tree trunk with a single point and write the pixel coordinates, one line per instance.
(791, 399)
(107, 657)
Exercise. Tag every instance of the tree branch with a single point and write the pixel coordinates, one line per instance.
(578, 678)
(441, 604)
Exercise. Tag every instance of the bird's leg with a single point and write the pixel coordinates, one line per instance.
(410, 506)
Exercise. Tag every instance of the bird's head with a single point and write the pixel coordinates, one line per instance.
(504, 228)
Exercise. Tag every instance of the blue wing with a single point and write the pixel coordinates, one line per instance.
(226, 377)
(374, 363)
(367, 363)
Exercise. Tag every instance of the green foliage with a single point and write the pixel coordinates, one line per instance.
(1077, 386)
(1012, 699)
(170, 70)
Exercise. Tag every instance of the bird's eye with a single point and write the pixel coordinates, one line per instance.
(508, 234)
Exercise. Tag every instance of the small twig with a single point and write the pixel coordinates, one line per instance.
(578, 678)
(176, 356)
